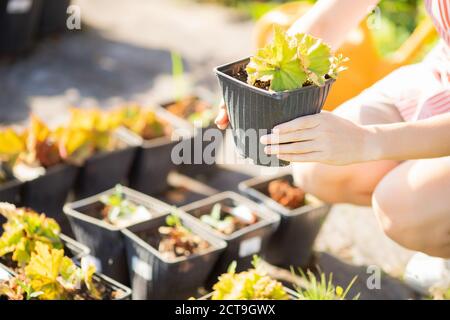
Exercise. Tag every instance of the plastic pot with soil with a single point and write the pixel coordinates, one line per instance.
(97, 221)
(245, 226)
(170, 257)
(289, 78)
(207, 138)
(18, 22)
(301, 218)
(157, 135)
(54, 16)
(50, 275)
(21, 229)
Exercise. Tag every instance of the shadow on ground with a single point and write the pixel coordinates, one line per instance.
(78, 69)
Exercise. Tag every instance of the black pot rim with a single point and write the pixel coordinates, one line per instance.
(11, 183)
(70, 209)
(220, 71)
(217, 245)
(266, 216)
(247, 187)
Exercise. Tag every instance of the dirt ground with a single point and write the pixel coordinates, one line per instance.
(123, 52)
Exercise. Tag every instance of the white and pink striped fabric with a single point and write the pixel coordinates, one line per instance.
(427, 88)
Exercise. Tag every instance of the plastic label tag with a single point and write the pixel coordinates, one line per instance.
(19, 6)
(4, 275)
(141, 268)
(250, 246)
(92, 260)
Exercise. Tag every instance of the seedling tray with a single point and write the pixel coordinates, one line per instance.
(292, 244)
(155, 277)
(103, 239)
(242, 244)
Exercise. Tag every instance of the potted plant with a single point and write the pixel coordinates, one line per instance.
(199, 114)
(301, 216)
(18, 22)
(34, 157)
(97, 221)
(289, 78)
(53, 19)
(245, 226)
(11, 144)
(104, 152)
(49, 275)
(23, 229)
(157, 133)
(252, 284)
(170, 256)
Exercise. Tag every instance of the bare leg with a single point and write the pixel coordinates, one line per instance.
(412, 203)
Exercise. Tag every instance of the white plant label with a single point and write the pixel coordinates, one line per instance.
(19, 6)
(141, 268)
(3, 274)
(250, 246)
(92, 260)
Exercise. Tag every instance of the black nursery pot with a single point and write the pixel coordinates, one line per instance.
(207, 139)
(10, 191)
(292, 244)
(242, 244)
(104, 170)
(155, 277)
(103, 239)
(48, 193)
(153, 161)
(18, 25)
(53, 17)
(253, 112)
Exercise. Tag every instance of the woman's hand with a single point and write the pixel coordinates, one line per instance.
(323, 137)
(222, 118)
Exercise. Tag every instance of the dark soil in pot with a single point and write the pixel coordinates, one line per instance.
(104, 239)
(160, 274)
(53, 17)
(18, 25)
(207, 138)
(301, 219)
(243, 239)
(10, 191)
(253, 111)
(48, 193)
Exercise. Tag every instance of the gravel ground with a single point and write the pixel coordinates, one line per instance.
(124, 53)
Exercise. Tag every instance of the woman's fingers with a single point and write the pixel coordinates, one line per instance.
(222, 118)
(305, 122)
(296, 136)
(292, 148)
(316, 156)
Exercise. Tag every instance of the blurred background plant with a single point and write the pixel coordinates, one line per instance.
(398, 18)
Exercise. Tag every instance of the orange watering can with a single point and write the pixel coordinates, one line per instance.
(366, 66)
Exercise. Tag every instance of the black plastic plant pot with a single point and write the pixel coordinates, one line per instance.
(154, 159)
(253, 112)
(48, 193)
(104, 240)
(18, 25)
(104, 170)
(243, 243)
(155, 277)
(292, 244)
(10, 191)
(53, 17)
(206, 140)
